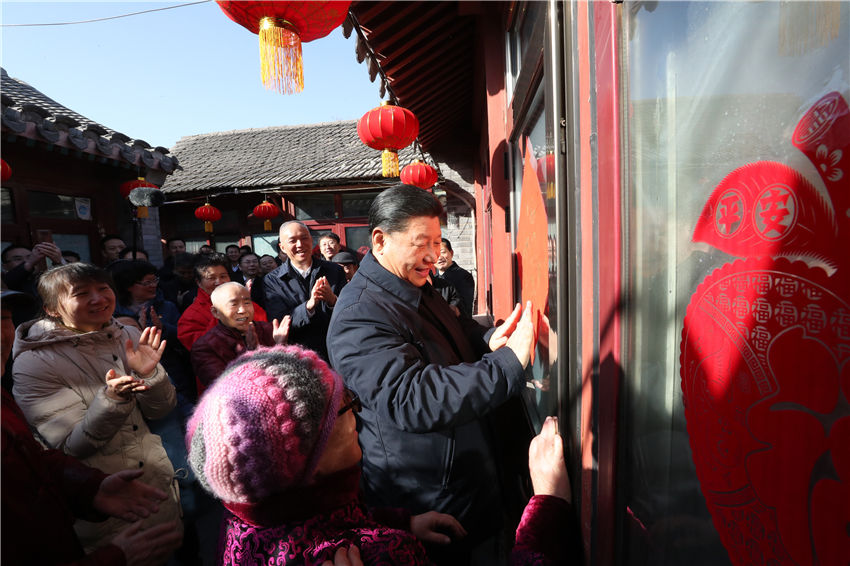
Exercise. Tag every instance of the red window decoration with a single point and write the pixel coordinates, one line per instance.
(419, 174)
(388, 128)
(5, 171)
(266, 211)
(209, 214)
(128, 186)
(282, 27)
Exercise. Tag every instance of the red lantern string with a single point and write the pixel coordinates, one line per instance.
(267, 211)
(209, 214)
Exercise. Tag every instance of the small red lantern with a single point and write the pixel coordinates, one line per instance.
(5, 171)
(267, 211)
(282, 26)
(209, 214)
(419, 174)
(388, 128)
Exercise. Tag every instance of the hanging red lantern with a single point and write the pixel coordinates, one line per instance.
(127, 187)
(5, 171)
(388, 128)
(267, 211)
(209, 214)
(419, 174)
(282, 27)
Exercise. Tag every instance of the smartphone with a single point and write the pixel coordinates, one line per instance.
(42, 236)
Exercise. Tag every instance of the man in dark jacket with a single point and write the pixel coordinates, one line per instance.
(427, 379)
(456, 276)
(304, 287)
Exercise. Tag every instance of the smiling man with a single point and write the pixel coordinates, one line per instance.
(429, 381)
(235, 333)
(304, 287)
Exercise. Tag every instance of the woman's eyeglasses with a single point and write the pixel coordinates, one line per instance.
(149, 282)
(349, 401)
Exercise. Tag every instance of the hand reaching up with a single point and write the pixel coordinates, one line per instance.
(546, 463)
(280, 331)
(144, 358)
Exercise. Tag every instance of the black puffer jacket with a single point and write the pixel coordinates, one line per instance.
(423, 430)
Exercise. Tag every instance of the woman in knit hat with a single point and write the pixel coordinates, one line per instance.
(275, 439)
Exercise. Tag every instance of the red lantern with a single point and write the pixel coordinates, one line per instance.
(5, 171)
(388, 128)
(209, 214)
(282, 26)
(419, 174)
(128, 186)
(267, 211)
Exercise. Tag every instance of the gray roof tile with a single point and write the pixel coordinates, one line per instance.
(278, 157)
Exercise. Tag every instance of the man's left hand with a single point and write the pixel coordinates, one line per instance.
(121, 495)
(437, 528)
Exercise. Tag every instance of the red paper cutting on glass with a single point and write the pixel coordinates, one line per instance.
(765, 350)
(532, 237)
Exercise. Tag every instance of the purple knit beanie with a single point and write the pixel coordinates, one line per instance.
(263, 424)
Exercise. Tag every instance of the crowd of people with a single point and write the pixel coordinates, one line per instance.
(320, 406)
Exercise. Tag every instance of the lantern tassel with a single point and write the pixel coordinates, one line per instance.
(280, 57)
(267, 225)
(389, 163)
(141, 212)
(207, 226)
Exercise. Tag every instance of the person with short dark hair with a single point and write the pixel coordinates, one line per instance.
(456, 276)
(71, 256)
(245, 249)
(110, 248)
(182, 287)
(329, 245)
(22, 269)
(431, 383)
(197, 319)
(14, 256)
(268, 263)
(175, 246)
(134, 254)
(303, 287)
(249, 267)
(206, 250)
(233, 254)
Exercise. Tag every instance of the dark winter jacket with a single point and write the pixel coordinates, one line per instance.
(427, 382)
(462, 280)
(287, 293)
(220, 346)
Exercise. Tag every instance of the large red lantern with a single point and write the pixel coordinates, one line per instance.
(419, 174)
(266, 211)
(388, 128)
(127, 187)
(282, 26)
(5, 171)
(209, 214)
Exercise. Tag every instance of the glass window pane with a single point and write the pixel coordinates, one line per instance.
(7, 207)
(358, 238)
(51, 205)
(310, 207)
(714, 89)
(357, 204)
(265, 244)
(74, 242)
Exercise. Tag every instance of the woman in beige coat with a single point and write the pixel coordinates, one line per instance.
(87, 383)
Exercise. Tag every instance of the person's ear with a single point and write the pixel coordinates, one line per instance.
(378, 241)
(215, 313)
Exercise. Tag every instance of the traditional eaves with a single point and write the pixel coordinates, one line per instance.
(29, 113)
(277, 159)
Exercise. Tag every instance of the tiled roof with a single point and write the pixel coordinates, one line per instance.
(280, 157)
(28, 112)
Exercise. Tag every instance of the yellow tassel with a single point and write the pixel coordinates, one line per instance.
(207, 226)
(267, 225)
(389, 163)
(280, 56)
(141, 212)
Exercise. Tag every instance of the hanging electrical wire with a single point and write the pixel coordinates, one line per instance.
(107, 18)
